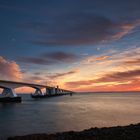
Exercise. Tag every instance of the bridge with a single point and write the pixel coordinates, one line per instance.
(9, 86)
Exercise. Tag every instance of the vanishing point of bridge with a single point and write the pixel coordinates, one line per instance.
(9, 86)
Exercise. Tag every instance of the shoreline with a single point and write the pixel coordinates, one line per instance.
(129, 132)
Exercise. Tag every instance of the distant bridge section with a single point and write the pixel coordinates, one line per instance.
(9, 86)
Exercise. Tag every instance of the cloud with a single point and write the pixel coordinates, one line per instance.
(129, 86)
(37, 73)
(77, 22)
(109, 68)
(9, 70)
(50, 58)
(92, 59)
(116, 59)
(108, 78)
(78, 29)
(120, 76)
(34, 60)
(132, 62)
(61, 56)
(81, 28)
(51, 79)
(126, 28)
(128, 58)
(36, 78)
(79, 83)
(58, 75)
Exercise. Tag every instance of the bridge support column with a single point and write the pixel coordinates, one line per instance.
(8, 92)
(57, 90)
(61, 91)
(38, 91)
(48, 91)
(51, 91)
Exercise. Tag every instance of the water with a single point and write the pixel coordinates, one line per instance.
(64, 113)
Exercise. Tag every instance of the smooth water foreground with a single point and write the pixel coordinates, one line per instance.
(64, 113)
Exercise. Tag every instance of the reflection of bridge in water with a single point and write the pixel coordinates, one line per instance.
(9, 86)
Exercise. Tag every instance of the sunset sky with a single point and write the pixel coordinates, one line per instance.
(80, 45)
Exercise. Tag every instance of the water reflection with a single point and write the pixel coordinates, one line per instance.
(68, 113)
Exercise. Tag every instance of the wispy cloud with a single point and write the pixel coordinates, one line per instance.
(120, 76)
(115, 58)
(107, 80)
(51, 58)
(92, 59)
(126, 28)
(36, 60)
(58, 75)
(135, 61)
(62, 56)
(127, 86)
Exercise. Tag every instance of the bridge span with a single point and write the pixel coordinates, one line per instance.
(9, 86)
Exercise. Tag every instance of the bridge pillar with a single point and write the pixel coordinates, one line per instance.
(38, 91)
(53, 91)
(61, 91)
(57, 90)
(8, 92)
(48, 91)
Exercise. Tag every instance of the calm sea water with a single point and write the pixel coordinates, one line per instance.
(77, 112)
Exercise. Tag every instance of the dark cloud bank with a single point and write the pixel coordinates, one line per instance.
(82, 22)
(51, 58)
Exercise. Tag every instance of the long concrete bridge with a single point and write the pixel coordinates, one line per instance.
(9, 86)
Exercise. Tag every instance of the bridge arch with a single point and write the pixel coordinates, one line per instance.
(9, 89)
(7, 92)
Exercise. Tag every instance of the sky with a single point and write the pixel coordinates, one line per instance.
(80, 45)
